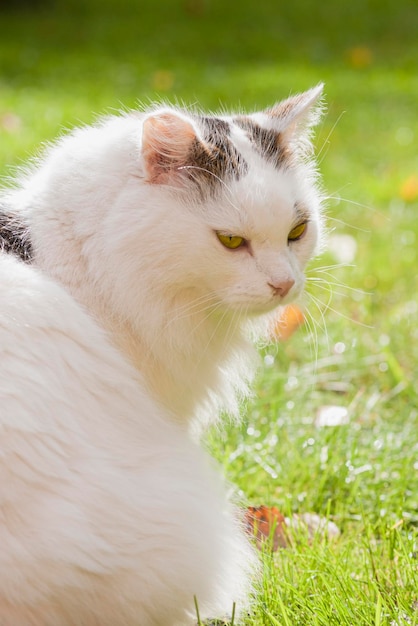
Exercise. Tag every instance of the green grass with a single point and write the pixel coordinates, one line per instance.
(63, 64)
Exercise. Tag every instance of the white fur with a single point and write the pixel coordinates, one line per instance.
(131, 330)
(145, 261)
(108, 513)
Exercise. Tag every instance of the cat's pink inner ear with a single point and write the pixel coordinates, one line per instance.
(298, 112)
(167, 141)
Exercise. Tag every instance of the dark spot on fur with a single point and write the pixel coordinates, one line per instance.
(215, 127)
(14, 236)
(267, 142)
(215, 160)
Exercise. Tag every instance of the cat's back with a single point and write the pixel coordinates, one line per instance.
(92, 479)
(47, 340)
(60, 381)
(59, 372)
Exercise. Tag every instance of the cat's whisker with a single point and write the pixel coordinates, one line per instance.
(231, 326)
(357, 204)
(323, 326)
(321, 282)
(331, 266)
(322, 307)
(325, 286)
(327, 306)
(347, 224)
(325, 151)
(336, 195)
(324, 271)
(205, 303)
(191, 307)
(188, 308)
(210, 312)
(202, 314)
(210, 339)
(327, 138)
(313, 335)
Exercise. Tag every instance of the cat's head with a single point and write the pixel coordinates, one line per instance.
(170, 206)
(245, 209)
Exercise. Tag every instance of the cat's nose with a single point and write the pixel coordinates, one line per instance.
(282, 288)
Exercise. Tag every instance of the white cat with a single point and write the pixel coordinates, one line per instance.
(153, 244)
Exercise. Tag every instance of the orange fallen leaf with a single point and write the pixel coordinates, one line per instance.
(409, 189)
(272, 529)
(289, 321)
(267, 525)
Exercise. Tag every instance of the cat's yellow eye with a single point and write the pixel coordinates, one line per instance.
(230, 241)
(297, 232)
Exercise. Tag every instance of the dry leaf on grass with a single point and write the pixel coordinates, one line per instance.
(267, 525)
(272, 529)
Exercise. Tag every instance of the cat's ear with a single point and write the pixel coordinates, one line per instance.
(167, 142)
(297, 113)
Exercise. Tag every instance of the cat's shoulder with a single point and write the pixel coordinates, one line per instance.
(29, 298)
(50, 345)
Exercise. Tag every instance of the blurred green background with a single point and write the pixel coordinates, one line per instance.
(64, 63)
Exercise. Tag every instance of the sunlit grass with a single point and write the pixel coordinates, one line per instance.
(63, 65)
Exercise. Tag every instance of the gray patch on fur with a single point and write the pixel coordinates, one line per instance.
(267, 142)
(14, 236)
(216, 160)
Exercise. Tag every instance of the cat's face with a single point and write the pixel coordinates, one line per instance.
(245, 210)
(257, 248)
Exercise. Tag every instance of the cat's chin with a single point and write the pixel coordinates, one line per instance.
(255, 310)
(260, 309)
